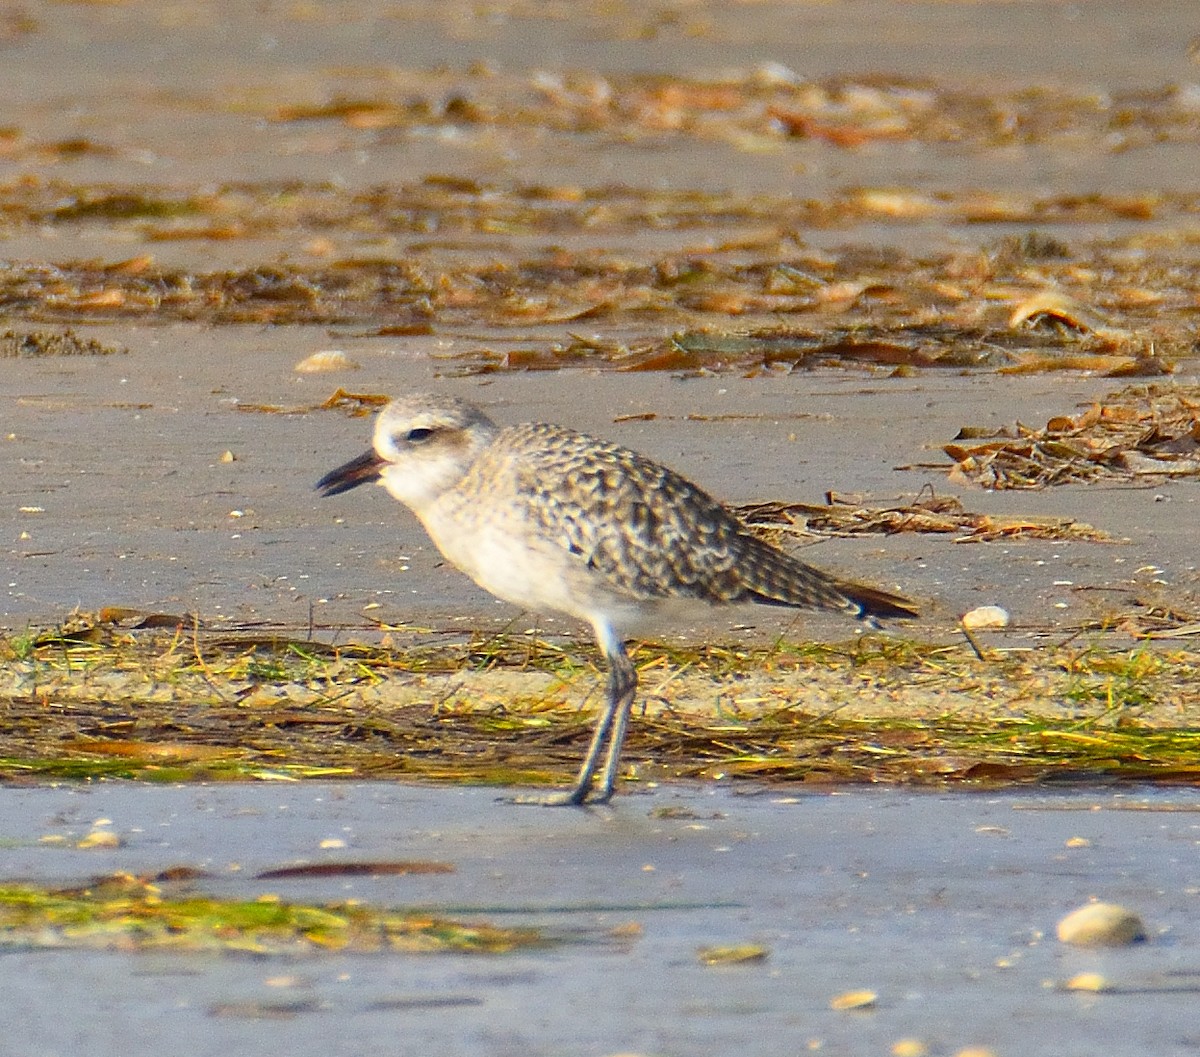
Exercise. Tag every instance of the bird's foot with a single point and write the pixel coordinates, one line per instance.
(571, 798)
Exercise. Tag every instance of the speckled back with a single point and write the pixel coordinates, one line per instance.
(640, 527)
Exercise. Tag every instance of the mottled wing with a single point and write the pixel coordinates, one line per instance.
(642, 528)
(654, 535)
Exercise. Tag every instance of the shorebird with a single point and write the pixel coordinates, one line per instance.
(557, 521)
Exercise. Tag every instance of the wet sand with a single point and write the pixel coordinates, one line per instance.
(944, 906)
(147, 515)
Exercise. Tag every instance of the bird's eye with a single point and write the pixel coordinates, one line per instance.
(418, 435)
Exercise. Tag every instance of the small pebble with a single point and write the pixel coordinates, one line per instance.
(333, 842)
(326, 360)
(1078, 842)
(1101, 925)
(854, 1000)
(100, 838)
(739, 955)
(985, 617)
(1087, 982)
(320, 247)
(909, 1048)
(228, 456)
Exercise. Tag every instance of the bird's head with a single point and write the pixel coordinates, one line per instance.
(423, 446)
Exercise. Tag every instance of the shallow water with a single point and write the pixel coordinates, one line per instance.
(944, 905)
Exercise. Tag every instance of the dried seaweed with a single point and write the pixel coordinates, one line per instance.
(446, 207)
(41, 343)
(753, 108)
(898, 346)
(92, 700)
(1142, 432)
(927, 513)
(1030, 304)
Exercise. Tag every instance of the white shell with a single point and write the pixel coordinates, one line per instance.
(326, 360)
(986, 617)
(1101, 925)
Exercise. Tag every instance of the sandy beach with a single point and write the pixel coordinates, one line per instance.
(802, 253)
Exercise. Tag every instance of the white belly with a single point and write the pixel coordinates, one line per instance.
(537, 574)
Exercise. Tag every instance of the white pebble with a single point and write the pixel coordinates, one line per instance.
(1101, 925)
(986, 617)
(100, 838)
(854, 1000)
(326, 360)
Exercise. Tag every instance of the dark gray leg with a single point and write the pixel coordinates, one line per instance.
(622, 688)
(610, 727)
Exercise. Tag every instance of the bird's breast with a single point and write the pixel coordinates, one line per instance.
(509, 557)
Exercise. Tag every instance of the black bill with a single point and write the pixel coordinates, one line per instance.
(362, 470)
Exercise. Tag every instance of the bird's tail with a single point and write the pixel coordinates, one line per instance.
(873, 603)
(770, 577)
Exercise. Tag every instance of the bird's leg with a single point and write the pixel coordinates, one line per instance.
(622, 687)
(610, 727)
